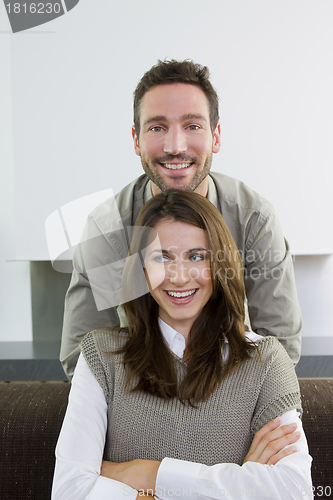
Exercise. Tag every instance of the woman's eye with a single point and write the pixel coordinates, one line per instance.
(197, 257)
(161, 259)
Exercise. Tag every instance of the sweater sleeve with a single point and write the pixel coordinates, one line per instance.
(94, 359)
(279, 390)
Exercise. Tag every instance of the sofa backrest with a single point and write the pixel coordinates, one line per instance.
(317, 402)
(31, 416)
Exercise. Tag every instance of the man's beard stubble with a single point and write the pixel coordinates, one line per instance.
(196, 181)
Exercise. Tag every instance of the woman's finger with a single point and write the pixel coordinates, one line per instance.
(275, 447)
(270, 426)
(284, 453)
(270, 440)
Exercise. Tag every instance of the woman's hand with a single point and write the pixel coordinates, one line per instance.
(138, 474)
(270, 440)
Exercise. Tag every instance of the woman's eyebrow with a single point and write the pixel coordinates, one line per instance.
(167, 252)
(159, 250)
(197, 250)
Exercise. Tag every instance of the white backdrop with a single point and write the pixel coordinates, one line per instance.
(271, 62)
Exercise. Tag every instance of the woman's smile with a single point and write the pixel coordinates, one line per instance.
(181, 297)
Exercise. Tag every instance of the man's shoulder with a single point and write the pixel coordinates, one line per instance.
(132, 195)
(233, 192)
(122, 207)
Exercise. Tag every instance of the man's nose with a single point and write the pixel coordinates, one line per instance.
(175, 141)
(179, 273)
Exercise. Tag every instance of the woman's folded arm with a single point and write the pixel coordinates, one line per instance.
(289, 478)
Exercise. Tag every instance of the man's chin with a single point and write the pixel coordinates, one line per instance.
(178, 183)
(200, 187)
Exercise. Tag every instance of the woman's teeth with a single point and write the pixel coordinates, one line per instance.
(177, 166)
(181, 294)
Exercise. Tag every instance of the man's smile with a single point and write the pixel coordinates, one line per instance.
(176, 166)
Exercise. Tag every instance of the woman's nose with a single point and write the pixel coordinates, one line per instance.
(179, 274)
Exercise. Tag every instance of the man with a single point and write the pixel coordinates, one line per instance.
(176, 131)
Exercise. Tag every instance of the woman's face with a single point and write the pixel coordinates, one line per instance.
(178, 273)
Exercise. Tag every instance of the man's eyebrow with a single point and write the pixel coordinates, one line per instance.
(162, 118)
(159, 118)
(193, 116)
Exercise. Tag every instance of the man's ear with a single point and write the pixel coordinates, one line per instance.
(136, 142)
(217, 139)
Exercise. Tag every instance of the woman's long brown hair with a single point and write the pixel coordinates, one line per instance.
(149, 362)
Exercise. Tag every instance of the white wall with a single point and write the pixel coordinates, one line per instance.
(314, 280)
(66, 88)
(15, 296)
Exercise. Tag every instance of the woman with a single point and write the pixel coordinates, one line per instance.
(183, 380)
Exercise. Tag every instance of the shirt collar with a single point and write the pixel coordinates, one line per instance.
(212, 193)
(147, 192)
(175, 340)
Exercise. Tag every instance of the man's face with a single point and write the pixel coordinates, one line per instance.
(176, 142)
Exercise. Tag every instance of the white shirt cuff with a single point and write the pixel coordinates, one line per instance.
(105, 489)
(183, 476)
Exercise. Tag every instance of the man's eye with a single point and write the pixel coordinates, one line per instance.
(193, 127)
(156, 129)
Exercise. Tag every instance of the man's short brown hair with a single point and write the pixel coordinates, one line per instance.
(173, 71)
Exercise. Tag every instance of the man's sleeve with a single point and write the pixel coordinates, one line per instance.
(93, 291)
(80, 317)
(270, 284)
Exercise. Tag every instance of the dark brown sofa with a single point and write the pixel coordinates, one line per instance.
(31, 415)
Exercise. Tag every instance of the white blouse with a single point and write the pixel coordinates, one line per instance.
(80, 448)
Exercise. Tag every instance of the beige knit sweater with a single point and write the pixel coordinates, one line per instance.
(219, 430)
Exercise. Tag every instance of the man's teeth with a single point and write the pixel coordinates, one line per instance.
(181, 294)
(177, 166)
